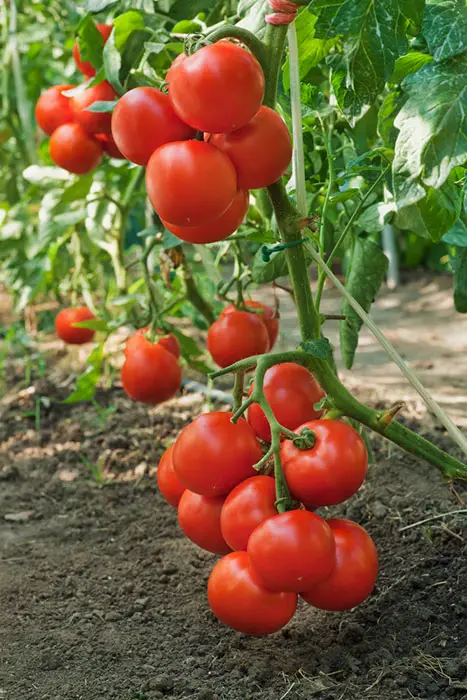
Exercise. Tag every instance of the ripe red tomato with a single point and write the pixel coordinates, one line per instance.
(173, 68)
(212, 455)
(168, 342)
(354, 575)
(332, 470)
(143, 120)
(238, 599)
(216, 230)
(65, 329)
(292, 551)
(150, 373)
(190, 182)
(248, 505)
(53, 109)
(269, 317)
(236, 336)
(292, 392)
(93, 122)
(109, 146)
(72, 149)
(200, 520)
(86, 67)
(261, 150)
(217, 89)
(169, 484)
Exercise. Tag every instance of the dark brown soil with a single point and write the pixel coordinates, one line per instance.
(101, 597)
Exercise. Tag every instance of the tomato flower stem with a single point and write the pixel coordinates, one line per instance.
(238, 389)
(231, 31)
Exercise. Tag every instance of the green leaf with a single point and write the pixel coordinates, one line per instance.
(311, 50)
(460, 280)
(99, 5)
(262, 271)
(432, 127)
(408, 64)
(86, 383)
(102, 106)
(321, 349)
(186, 26)
(170, 240)
(112, 64)
(90, 42)
(457, 235)
(95, 324)
(375, 216)
(388, 111)
(432, 216)
(351, 193)
(375, 36)
(264, 237)
(367, 272)
(189, 347)
(445, 28)
(126, 24)
(78, 190)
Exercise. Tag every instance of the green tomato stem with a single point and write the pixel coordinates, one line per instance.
(231, 31)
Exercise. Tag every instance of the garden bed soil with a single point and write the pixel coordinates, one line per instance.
(102, 598)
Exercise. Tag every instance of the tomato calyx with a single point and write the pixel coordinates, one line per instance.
(305, 440)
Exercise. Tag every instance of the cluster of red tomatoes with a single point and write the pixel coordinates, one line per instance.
(78, 137)
(227, 508)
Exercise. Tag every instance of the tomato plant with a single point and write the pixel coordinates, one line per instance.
(354, 574)
(238, 598)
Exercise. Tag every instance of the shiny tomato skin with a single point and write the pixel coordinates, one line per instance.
(65, 329)
(217, 89)
(332, 470)
(199, 517)
(236, 336)
(86, 67)
(292, 551)
(246, 506)
(73, 150)
(188, 184)
(212, 455)
(151, 374)
(292, 392)
(269, 317)
(53, 109)
(143, 120)
(354, 574)
(261, 151)
(109, 146)
(93, 122)
(173, 68)
(238, 598)
(216, 230)
(168, 342)
(169, 484)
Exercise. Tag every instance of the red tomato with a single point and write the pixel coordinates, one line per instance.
(72, 149)
(292, 392)
(216, 230)
(354, 575)
(53, 109)
(238, 599)
(217, 89)
(109, 146)
(168, 342)
(236, 336)
(189, 184)
(261, 150)
(168, 482)
(151, 374)
(143, 120)
(66, 330)
(173, 68)
(248, 505)
(86, 67)
(93, 122)
(212, 455)
(269, 317)
(332, 470)
(292, 551)
(200, 520)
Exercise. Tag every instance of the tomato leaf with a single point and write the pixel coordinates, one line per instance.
(311, 50)
(78, 190)
(457, 235)
(266, 271)
(86, 383)
(445, 28)
(99, 5)
(102, 106)
(432, 129)
(90, 41)
(408, 64)
(367, 272)
(170, 240)
(112, 64)
(321, 348)
(460, 279)
(189, 347)
(388, 111)
(435, 214)
(94, 324)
